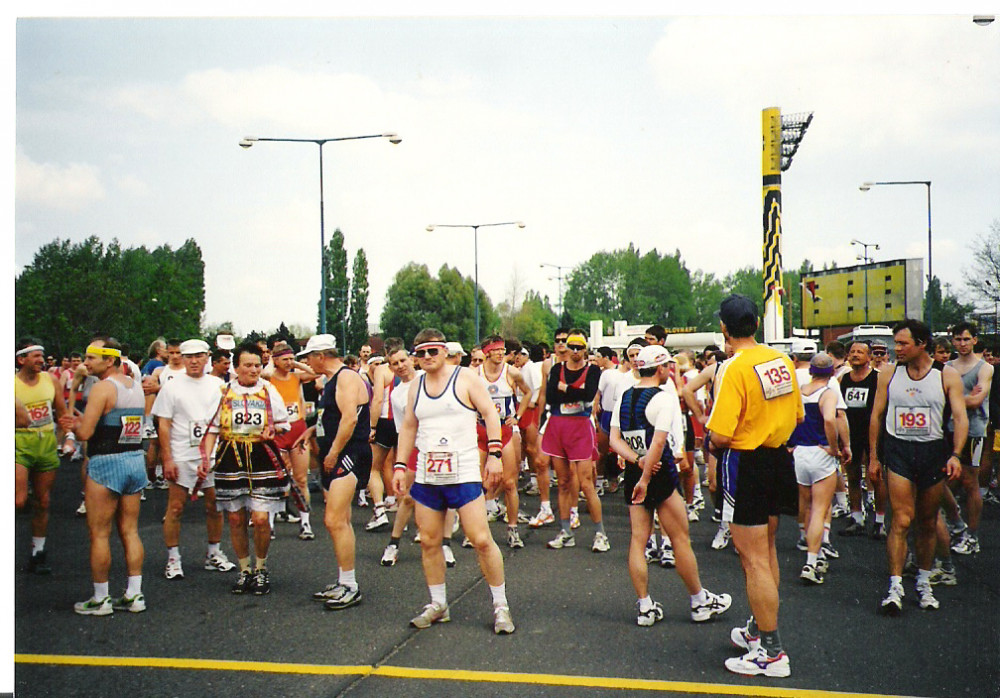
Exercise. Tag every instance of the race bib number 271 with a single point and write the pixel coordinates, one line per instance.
(775, 378)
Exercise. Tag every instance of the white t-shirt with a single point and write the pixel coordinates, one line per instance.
(611, 385)
(189, 403)
(664, 413)
(804, 377)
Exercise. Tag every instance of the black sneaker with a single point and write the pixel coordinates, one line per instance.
(37, 564)
(244, 584)
(261, 582)
(853, 528)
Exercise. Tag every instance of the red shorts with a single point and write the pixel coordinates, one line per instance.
(505, 434)
(529, 418)
(570, 438)
(285, 439)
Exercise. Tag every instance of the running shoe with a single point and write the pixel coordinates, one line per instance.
(495, 512)
(599, 489)
(722, 538)
(542, 518)
(892, 604)
(378, 521)
(390, 555)
(574, 518)
(82, 509)
(466, 543)
(801, 543)
(94, 607)
(829, 550)
(174, 569)
(811, 575)
(306, 532)
(562, 540)
(449, 556)
(853, 528)
(432, 613)
(514, 538)
(756, 662)
(416, 537)
(926, 594)
(132, 604)
(601, 543)
(532, 489)
(822, 565)
(244, 583)
(714, 605)
(693, 516)
(969, 545)
(839, 511)
(910, 565)
(455, 526)
(698, 500)
(362, 499)
(956, 528)
(743, 638)
(939, 575)
(218, 562)
(521, 518)
(341, 597)
(652, 552)
(261, 583)
(503, 624)
(37, 564)
(667, 555)
(879, 532)
(647, 618)
(391, 505)
(161, 484)
(991, 498)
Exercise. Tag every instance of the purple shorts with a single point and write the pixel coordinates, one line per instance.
(570, 438)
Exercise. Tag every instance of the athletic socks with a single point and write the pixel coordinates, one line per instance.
(261, 563)
(100, 590)
(348, 579)
(499, 594)
(134, 586)
(37, 544)
(439, 594)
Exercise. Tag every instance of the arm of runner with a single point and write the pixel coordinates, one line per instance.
(875, 424)
(86, 424)
(163, 428)
(21, 416)
(303, 371)
(844, 432)
(828, 408)
(208, 448)
(981, 391)
(955, 394)
(691, 388)
(404, 445)
(63, 415)
(375, 409)
(522, 385)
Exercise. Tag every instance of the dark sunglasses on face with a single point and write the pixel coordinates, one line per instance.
(878, 353)
(420, 353)
(577, 347)
(560, 340)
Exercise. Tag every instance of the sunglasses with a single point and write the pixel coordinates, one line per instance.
(560, 340)
(878, 353)
(577, 347)
(421, 353)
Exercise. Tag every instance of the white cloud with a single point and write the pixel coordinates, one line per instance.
(69, 186)
(133, 186)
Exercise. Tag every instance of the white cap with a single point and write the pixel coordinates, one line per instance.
(195, 346)
(653, 355)
(375, 360)
(225, 341)
(319, 342)
(454, 348)
(803, 346)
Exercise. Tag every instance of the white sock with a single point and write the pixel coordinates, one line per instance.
(826, 534)
(699, 598)
(879, 518)
(858, 516)
(439, 594)
(270, 518)
(134, 586)
(645, 604)
(842, 498)
(811, 558)
(37, 544)
(546, 507)
(100, 590)
(304, 515)
(348, 579)
(214, 548)
(499, 595)
(174, 553)
(923, 577)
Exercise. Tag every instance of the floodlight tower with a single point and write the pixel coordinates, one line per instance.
(781, 138)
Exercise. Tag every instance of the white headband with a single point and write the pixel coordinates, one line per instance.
(28, 350)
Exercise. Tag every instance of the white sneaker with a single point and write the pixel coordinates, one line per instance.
(927, 600)
(306, 532)
(82, 509)
(756, 663)
(379, 520)
(574, 519)
(449, 556)
(601, 543)
(693, 515)
(542, 518)
(647, 618)
(562, 540)
(174, 569)
(714, 605)
(503, 624)
(390, 555)
(892, 604)
(432, 613)
(134, 604)
(362, 499)
(722, 538)
(94, 607)
(218, 562)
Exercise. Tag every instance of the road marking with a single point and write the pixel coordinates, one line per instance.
(400, 672)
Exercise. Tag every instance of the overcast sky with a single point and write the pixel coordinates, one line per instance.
(595, 132)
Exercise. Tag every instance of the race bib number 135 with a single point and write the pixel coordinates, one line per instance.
(775, 378)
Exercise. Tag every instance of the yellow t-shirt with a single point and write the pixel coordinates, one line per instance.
(757, 399)
(37, 400)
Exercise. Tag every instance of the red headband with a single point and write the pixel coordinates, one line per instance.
(495, 345)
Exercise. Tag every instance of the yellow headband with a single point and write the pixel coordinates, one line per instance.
(576, 339)
(103, 351)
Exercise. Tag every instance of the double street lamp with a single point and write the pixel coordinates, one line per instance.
(559, 269)
(250, 140)
(866, 259)
(865, 186)
(475, 234)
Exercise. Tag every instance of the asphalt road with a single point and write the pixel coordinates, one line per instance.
(574, 609)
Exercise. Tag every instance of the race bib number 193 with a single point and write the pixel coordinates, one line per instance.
(775, 378)
(913, 421)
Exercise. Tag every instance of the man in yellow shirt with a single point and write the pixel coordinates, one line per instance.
(756, 409)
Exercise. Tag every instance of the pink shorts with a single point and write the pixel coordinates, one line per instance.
(570, 438)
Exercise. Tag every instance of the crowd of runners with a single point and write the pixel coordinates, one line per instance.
(449, 440)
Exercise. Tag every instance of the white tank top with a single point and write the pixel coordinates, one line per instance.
(500, 392)
(166, 373)
(915, 410)
(446, 436)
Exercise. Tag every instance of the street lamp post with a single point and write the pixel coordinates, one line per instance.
(475, 235)
(559, 269)
(865, 186)
(250, 140)
(866, 259)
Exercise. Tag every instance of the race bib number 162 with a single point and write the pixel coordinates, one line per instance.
(775, 378)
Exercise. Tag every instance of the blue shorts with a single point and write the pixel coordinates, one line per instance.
(605, 422)
(441, 497)
(122, 473)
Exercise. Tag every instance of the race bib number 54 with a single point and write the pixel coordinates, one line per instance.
(775, 378)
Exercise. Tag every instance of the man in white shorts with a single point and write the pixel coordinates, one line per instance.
(183, 407)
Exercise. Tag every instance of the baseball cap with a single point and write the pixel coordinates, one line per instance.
(225, 341)
(653, 355)
(455, 348)
(802, 346)
(736, 308)
(319, 342)
(821, 364)
(195, 346)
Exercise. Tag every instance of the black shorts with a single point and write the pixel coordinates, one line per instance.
(662, 484)
(859, 459)
(920, 462)
(356, 459)
(757, 485)
(385, 433)
(688, 433)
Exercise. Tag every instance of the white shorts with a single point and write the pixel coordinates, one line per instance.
(187, 475)
(813, 464)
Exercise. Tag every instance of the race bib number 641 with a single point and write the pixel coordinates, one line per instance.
(775, 378)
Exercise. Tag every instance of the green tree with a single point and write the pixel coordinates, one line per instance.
(535, 321)
(336, 287)
(942, 310)
(707, 293)
(357, 324)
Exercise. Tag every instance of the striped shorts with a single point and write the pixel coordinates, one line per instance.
(122, 473)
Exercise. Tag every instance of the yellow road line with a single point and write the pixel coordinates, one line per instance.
(399, 672)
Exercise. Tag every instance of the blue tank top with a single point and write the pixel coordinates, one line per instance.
(811, 432)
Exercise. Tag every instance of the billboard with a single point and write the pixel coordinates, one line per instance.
(881, 293)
